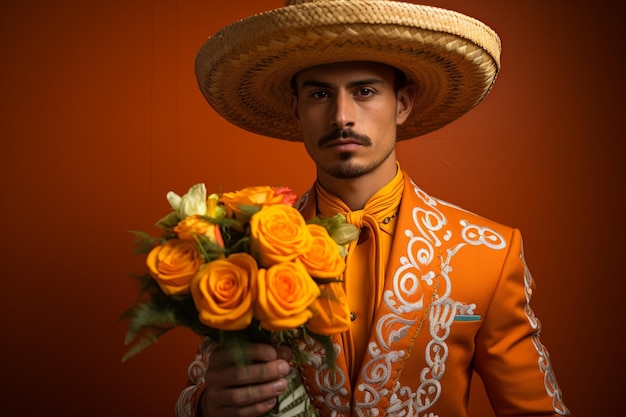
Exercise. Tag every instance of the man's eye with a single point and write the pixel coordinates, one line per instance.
(365, 92)
(319, 94)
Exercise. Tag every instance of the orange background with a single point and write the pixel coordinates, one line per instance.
(101, 117)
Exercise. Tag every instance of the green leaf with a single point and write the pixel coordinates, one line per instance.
(148, 322)
(224, 222)
(209, 250)
(146, 315)
(168, 221)
(248, 210)
(142, 344)
(144, 242)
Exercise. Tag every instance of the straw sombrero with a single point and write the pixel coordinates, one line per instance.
(244, 70)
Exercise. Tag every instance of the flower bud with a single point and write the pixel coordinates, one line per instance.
(344, 233)
(214, 209)
(194, 202)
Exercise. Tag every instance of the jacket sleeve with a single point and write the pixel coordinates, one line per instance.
(510, 358)
(294, 402)
(187, 402)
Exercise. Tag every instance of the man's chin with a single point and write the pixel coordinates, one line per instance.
(347, 168)
(346, 156)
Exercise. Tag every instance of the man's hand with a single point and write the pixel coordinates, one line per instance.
(245, 390)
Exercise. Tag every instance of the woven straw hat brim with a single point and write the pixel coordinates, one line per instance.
(244, 70)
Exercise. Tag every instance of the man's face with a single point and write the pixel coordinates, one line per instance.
(348, 113)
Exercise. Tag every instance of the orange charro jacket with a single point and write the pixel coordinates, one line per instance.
(456, 299)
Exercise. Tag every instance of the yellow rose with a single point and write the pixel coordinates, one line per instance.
(240, 202)
(279, 234)
(331, 314)
(223, 292)
(174, 264)
(193, 225)
(285, 292)
(323, 260)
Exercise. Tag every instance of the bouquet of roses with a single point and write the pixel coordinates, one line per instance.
(242, 267)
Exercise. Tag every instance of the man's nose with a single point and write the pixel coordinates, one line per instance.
(344, 111)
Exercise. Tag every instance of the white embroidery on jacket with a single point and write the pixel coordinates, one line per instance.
(545, 365)
(431, 226)
(419, 267)
(185, 404)
(330, 382)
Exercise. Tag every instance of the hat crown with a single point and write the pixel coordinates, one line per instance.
(294, 2)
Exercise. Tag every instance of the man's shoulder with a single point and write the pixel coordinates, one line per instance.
(454, 214)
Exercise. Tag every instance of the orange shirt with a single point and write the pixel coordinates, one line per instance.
(366, 261)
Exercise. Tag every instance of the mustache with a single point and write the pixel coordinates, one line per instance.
(345, 134)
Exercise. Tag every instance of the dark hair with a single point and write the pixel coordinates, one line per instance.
(399, 79)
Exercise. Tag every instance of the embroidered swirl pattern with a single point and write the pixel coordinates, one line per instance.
(425, 268)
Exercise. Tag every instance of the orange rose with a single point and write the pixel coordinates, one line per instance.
(174, 264)
(323, 260)
(193, 225)
(240, 202)
(223, 292)
(285, 292)
(279, 234)
(331, 314)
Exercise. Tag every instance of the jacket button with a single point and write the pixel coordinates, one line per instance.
(352, 316)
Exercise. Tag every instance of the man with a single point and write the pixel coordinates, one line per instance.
(435, 292)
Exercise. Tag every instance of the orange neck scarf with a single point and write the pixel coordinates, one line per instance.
(366, 261)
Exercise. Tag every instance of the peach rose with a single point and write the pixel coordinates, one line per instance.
(278, 234)
(331, 314)
(223, 292)
(193, 225)
(289, 197)
(173, 265)
(285, 292)
(243, 203)
(323, 260)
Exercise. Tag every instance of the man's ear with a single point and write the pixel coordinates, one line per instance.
(404, 103)
(294, 105)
